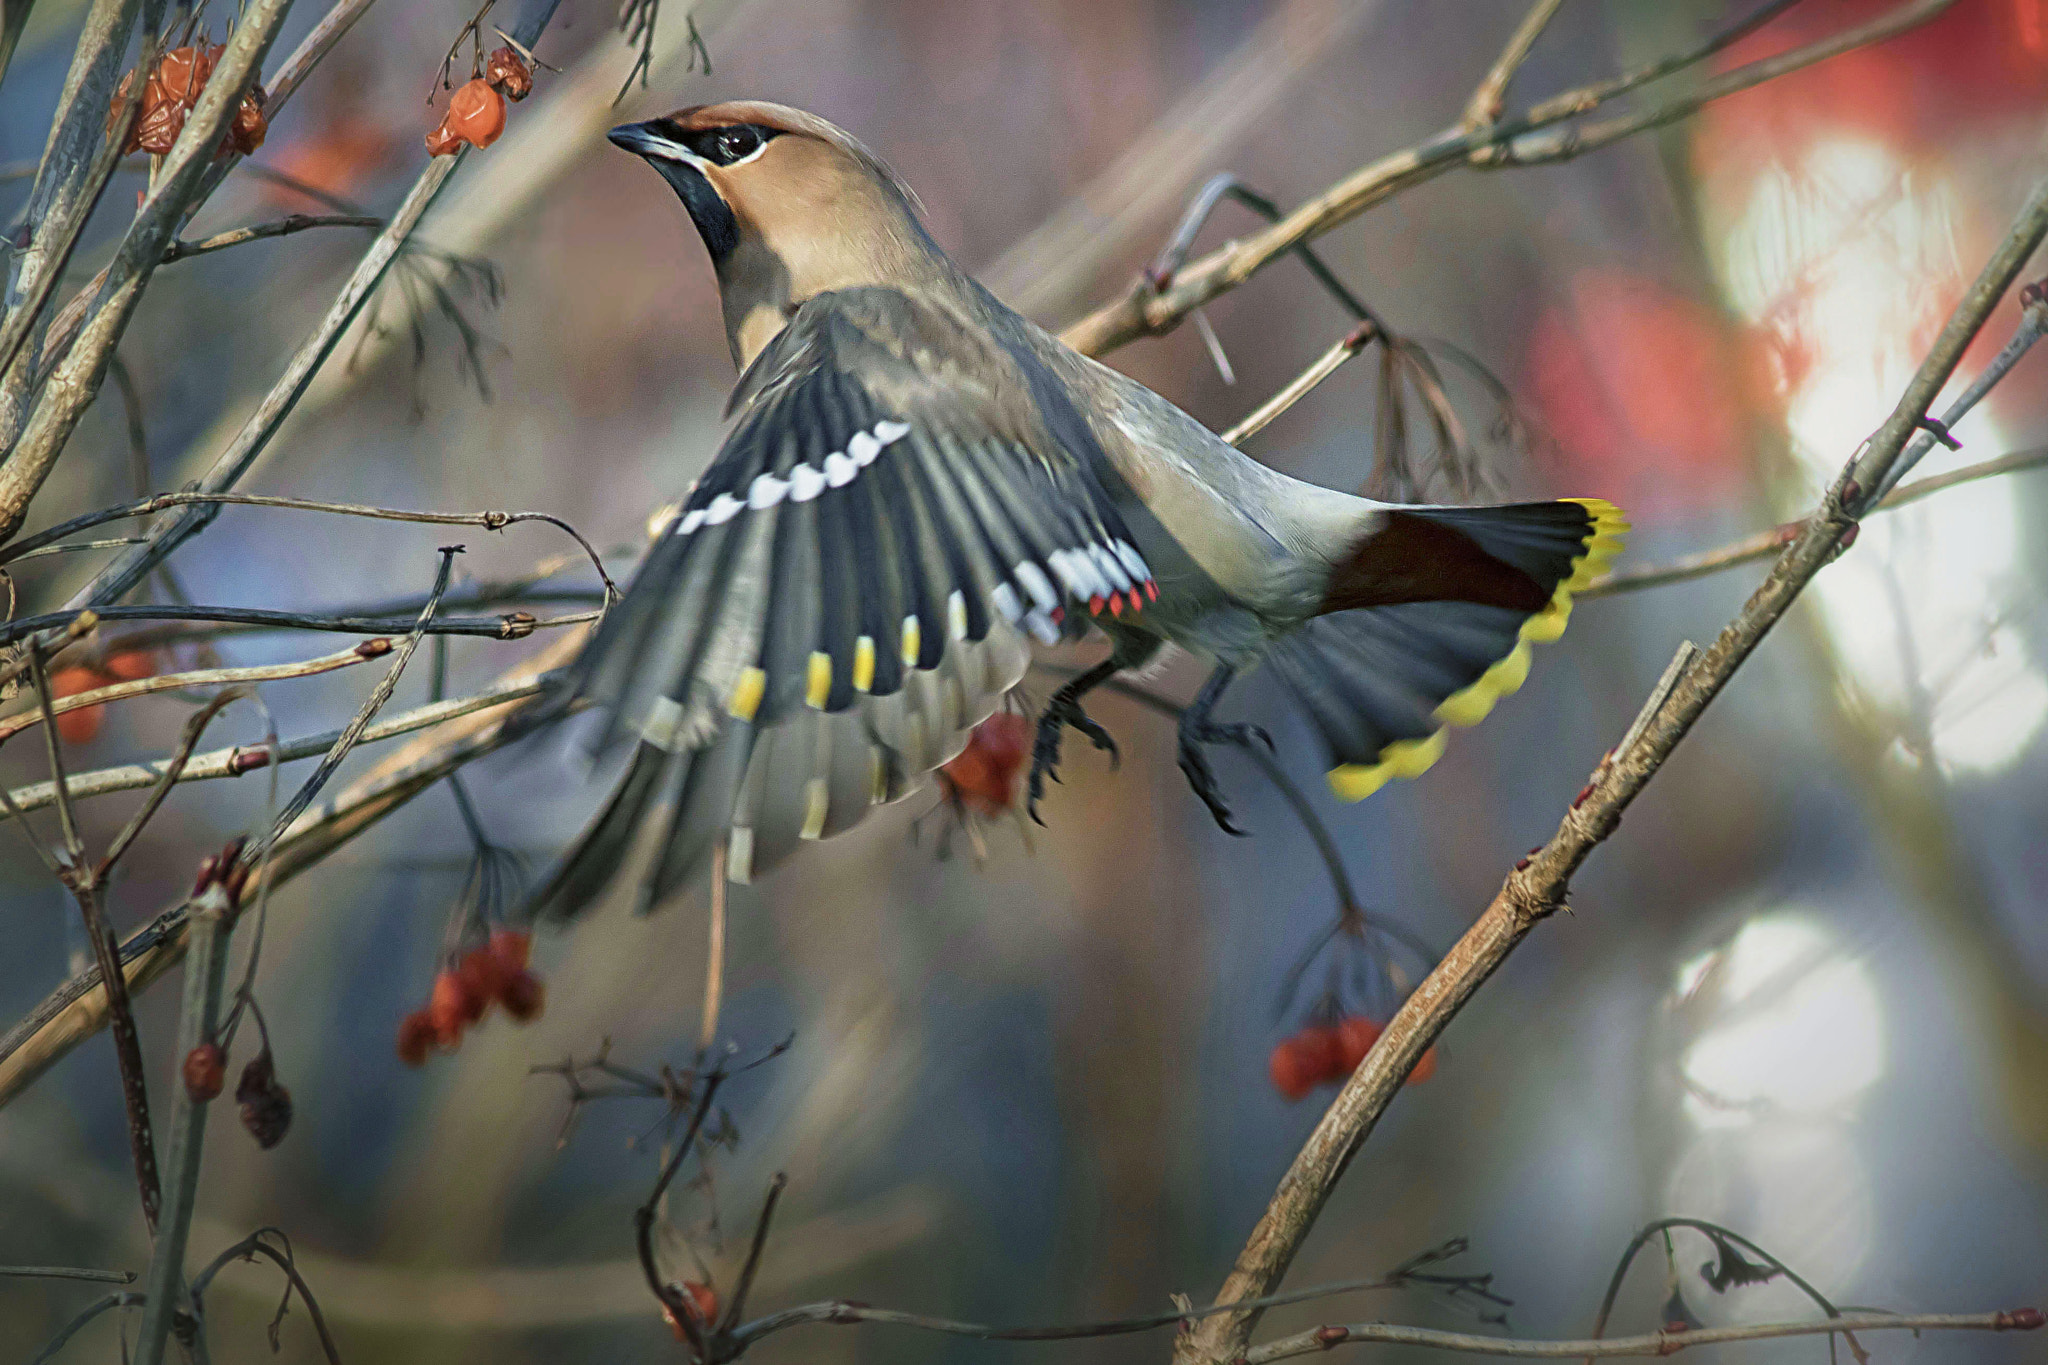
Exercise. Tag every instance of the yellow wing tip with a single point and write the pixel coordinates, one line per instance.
(747, 693)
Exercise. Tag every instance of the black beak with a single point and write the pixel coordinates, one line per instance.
(640, 139)
(713, 217)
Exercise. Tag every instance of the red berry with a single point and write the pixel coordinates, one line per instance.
(511, 947)
(523, 996)
(482, 974)
(700, 1301)
(452, 1008)
(1303, 1061)
(129, 665)
(416, 1038)
(1355, 1037)
(83, 725)
(206, 1069)
(1425, 1066)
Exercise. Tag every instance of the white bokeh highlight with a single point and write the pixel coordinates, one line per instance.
(1850, 262)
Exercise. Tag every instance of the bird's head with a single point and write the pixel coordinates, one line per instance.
(788, 205)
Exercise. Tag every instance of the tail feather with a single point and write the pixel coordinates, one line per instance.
(1385, 684)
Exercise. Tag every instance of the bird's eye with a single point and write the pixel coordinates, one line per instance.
(733, 144)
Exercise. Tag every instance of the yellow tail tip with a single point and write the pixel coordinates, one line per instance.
(1409, 758)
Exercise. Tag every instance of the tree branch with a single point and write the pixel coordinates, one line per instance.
(1649, 1344)
(1148, 311)
(1764, 544)
(277, 227)
(1539, 884)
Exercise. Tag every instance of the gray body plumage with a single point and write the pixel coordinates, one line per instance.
(919, 480)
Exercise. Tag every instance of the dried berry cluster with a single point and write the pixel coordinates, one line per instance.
(83, 725)
(1326, 1054)
(476, 111)
(493, 973)
(169, 94)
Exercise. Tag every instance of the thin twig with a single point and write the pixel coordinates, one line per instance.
(206, 965)
(353, 731)
(744, 1286)
(1325, 365)
(1147, 310)
(1323, 1339)
(240, 759)
(1483, 109)
(142, 507)
(203, 677)
(80, 880)
(1721, 1238)
(77, 1324)
(279, 227)
(66, 1272)
(247, 1250)
(195, 727)
(1764, 544)
(515, 625)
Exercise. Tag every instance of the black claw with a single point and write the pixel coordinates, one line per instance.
(1060, 712)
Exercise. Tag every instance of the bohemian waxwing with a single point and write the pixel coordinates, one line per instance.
(921, 481)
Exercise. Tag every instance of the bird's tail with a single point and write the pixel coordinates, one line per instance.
(763, 790)
(1385, 683)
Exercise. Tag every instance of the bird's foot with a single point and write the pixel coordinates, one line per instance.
(1198, 732)
(1060, 712)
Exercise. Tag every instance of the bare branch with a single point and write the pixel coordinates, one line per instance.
(78, 1324)
(1764, 544)
(77, 377)
(1148, 311)
(240, 759)
(203, 677)
(513, 625)
(66, 1272)
(195, 726)
(157, 502)
(1322, 1339)
(212, 921)
(277, 227)
(1483, 109)
(353, 731)
(1325, 365)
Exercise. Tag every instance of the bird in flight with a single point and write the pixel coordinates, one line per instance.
(920, 482)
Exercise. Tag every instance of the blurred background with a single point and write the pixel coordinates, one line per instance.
(1801, 992)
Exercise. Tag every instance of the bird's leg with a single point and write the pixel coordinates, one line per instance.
(1062, 709)
(1197, 730)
